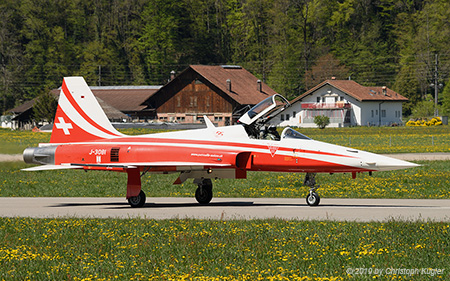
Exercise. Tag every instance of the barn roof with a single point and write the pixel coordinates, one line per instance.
(244, 87)
(125, 98)
(357, 91)
(113, 100)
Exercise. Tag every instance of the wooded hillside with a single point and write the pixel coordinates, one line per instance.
(291, 44)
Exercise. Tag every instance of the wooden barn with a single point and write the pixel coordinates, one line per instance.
(223, 93)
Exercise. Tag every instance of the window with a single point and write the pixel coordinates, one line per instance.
(193, 102)
(318, 99)
(294, 114)
(287, 116)
(383, 113)
(372, 113)
(282, 117)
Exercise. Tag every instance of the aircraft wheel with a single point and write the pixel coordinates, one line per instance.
(313, 199)
(137, 201)
(204, 193)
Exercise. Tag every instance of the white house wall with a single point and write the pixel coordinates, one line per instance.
(387, 113)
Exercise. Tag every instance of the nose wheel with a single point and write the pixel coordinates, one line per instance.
(312, 199)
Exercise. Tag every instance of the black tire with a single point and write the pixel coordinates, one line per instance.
(137, 201)
(313, 199)
(204, 194)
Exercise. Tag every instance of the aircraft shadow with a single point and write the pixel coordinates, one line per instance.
(124, 205)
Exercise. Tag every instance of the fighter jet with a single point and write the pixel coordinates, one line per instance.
(83, 138)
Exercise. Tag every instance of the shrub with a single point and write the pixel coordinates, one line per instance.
(436, 121)
(322, 121)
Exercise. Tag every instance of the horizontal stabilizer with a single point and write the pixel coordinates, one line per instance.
(51, 167)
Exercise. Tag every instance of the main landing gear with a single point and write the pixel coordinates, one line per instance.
(312, 199)
(137, 201)
(136, 197)
(204, 193)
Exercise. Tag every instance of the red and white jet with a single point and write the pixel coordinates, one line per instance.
(83, 138)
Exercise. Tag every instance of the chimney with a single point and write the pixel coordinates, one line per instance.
(229, 85)
(259, 86)
(384, 90)
(172, 75)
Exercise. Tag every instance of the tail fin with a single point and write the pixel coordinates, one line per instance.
(79, 116)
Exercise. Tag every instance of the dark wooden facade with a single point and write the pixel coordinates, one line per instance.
(216, 91)
(196, 97)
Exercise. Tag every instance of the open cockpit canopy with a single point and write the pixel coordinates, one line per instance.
(265, 109)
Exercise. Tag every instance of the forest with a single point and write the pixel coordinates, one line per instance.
(290, 44)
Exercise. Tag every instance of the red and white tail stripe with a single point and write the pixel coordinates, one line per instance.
(79, 116)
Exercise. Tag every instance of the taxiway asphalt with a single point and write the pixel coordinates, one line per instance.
(361, 210)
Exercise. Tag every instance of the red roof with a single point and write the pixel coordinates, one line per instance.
(244, 89)
(357, 91)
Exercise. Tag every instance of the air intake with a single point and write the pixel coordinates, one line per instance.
(115, 154)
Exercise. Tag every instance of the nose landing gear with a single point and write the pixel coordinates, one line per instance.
(312, 199)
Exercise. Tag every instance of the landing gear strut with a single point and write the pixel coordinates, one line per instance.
(136, 197)
(312, 199)
(204, 193)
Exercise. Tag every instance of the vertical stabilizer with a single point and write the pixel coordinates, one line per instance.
(79, 116)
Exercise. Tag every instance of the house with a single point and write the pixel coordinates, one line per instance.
(120, 103)
(23, 114)
(223, 93)
(128, 99)
(346, 103)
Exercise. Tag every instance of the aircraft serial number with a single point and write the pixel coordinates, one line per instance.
(97, 152)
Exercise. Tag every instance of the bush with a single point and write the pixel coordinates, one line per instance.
(436, 121)
(322, 121)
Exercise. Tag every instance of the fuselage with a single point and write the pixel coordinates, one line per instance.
(222, 147)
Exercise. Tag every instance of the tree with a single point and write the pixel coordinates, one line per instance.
(161, 38)
(45, 107)
(325, 68)
(321, 121)
(446, 99)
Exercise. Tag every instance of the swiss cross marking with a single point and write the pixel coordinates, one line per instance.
(64, 126)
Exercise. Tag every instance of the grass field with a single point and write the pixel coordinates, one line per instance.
(431, 180)
(373, 139)
(95, 249)
(133, 249)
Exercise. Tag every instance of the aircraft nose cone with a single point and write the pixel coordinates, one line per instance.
(384, 163)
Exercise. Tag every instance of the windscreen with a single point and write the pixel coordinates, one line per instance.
(289, 133)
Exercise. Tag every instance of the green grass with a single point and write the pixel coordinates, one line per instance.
(14, 142)
(97, 249)
(432, 180)
(135, 249)
(373, 139)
